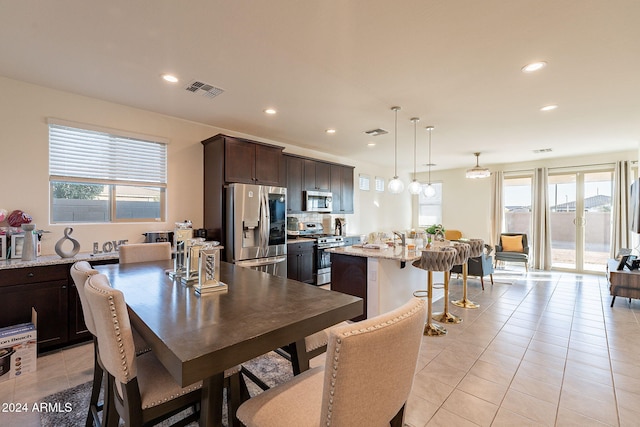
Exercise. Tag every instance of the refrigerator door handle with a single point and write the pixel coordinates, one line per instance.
(262, 261)
(264, 220)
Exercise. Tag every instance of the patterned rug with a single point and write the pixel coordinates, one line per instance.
(271, 368)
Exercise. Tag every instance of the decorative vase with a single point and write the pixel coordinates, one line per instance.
(76, 246)
(29, 245)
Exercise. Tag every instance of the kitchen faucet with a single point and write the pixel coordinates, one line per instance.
(403, 238)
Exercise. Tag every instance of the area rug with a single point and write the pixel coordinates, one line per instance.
(71, 405)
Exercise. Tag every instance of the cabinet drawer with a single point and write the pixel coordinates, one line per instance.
(21, 276)
(300, 247)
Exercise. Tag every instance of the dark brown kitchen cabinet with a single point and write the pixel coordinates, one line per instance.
(342, 188)
(349, 276)
(50, 290)
(295, 173)
(300, 261)
(252, 163)
(317, 175)
(43, 288)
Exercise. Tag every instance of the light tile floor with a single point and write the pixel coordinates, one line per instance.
(545, 350)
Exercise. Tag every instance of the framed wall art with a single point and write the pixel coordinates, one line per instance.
(3, 246)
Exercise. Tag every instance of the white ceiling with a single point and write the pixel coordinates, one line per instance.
(344, 63)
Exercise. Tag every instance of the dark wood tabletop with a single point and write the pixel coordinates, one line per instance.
(198, 337)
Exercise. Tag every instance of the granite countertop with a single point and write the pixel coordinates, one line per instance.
(56, 259)
(398, 253)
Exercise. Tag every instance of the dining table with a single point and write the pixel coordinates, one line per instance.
(197, 337)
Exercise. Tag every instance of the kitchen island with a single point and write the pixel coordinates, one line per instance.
(383, 278)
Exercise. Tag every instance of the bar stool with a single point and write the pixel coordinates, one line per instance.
(462, 255)
(440, 259)
(477, 246)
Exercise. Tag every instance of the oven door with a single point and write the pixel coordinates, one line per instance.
(323, 264)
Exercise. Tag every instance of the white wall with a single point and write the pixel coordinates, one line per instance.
(467, 202)
(25, 108)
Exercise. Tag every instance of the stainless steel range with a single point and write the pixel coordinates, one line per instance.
(322, 262)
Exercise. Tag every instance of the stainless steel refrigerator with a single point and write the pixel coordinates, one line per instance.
(256, 227)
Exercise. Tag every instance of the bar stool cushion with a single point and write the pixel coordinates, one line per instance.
(463, 250)
(440, 259)
(477, 247)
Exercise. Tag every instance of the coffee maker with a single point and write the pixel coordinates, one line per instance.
(341, 227)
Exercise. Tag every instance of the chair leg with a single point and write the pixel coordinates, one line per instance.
(613, 300)
(235, 396)
(482, 282)
(398, 419)
(92, 415)
(491, 276)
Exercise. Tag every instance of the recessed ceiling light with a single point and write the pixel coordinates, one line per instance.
(371, 144)
(170, 78)
(534, 66)
(270, 111)
(548, 107)
(330, 131)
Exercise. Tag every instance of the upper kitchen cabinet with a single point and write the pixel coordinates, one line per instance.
(317, 175)
(342, 188)
(252, 163)
(295, 174)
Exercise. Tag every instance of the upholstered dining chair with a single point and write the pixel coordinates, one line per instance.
(513, 247)
(80, 272)
(142, 252)
(365, 381)
(314, 344)
(141, 390)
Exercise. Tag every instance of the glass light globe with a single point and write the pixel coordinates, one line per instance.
(429, 191)
(414, 187)
(396, 186)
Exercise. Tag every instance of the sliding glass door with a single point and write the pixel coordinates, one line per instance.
(580, 203)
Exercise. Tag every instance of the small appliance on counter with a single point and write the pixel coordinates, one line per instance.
(341, 227)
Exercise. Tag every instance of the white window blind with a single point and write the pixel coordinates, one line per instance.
(103, 157)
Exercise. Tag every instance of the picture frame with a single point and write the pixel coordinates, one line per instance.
(3, 246)
(17, 241)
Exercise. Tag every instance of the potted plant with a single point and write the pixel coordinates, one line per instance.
(436, 231)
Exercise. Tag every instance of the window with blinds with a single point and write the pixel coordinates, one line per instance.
(98, 176)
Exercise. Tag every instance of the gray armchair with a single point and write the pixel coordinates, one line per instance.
(479, 266)
(513, 247)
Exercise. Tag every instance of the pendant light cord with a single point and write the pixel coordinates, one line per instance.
(430, 128)
(395, 160)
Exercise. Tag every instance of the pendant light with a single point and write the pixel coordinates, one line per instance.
(396, 185)
(477, 171)
(429, 191)
(414, 186)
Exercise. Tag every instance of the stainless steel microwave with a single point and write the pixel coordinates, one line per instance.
(318, 201)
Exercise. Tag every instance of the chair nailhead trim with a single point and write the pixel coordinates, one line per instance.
(356, 332)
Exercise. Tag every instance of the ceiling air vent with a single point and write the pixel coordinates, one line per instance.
(204, 89)
(375, 132)
(543, 150)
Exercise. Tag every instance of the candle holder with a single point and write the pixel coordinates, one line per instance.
(209, 271)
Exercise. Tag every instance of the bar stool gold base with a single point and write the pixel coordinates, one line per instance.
(433, 330)
(446, 318)
(465, 303)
